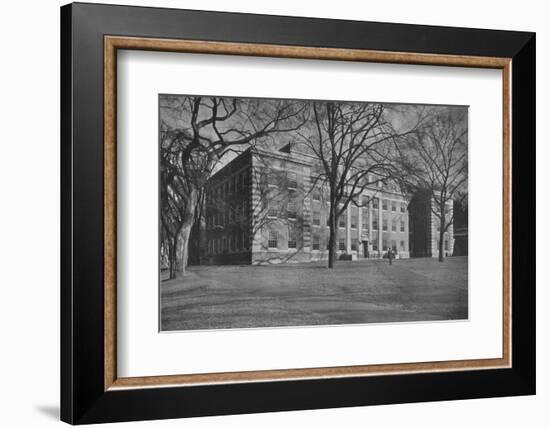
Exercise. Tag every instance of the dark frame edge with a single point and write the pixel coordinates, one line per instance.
(66, 304)
(524, 214)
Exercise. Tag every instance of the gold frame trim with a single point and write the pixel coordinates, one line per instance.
(112, 43)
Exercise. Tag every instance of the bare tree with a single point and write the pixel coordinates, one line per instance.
(195, 134)
(354, 146)
(434, 159)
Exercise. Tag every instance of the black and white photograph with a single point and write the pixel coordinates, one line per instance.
(281, 212)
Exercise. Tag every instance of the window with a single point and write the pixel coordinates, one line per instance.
(402, 245)
(402, 226)
(365, 219)
(393, 226)
(341, 244)
(292, 242)
(291, 210)
(384, 204)
(316, 218)
(385, 224)
(272, 242)
(272, 209)
(402, 208)
(393, 246)
(328, 220)
(364, 200)
(354, 243)
(375, 246)
(316, 195)
(292, 180)
(315, 242)
(384, 245)
(375, 203)
(374, 224)
(354, 218)
(272, 178)
(342, 220)
(393, 206)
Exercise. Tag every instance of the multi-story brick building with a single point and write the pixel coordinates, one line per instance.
(263, 207)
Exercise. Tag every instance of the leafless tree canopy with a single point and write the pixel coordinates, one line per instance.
(196, 133)
(355, 145)
(435, 159)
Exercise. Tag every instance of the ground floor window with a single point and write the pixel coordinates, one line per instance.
(315, 242)
(272, 242)
(341, 244)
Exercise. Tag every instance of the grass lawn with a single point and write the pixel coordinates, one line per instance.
(356, 292)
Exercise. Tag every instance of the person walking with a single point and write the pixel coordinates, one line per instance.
(390, 255)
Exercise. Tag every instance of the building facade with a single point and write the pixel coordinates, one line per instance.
(265, 207)
(425, 227)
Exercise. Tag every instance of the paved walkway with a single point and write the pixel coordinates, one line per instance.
(306, 294)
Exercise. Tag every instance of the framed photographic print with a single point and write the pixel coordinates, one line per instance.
(265, 213)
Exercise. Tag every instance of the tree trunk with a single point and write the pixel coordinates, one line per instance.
(182, 249)
(184, 233)
(442, 224)
(333, 237)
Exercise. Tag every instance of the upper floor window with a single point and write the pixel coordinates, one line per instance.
(393, 206)
(354, 218)
(316, 195)
(292, 180)
(402, 208)
(384, 204)
(375, 203)
(291, 210)
(342, 220)
(385, 225)
(272, 209)
(316, 218)
(402, 227)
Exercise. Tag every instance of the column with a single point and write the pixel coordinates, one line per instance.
(348, 229)
(380, 228)
(369, 210)
(359, 228)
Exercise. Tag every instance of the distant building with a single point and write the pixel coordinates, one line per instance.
(425, 227)
(460, 228)
(263, 207)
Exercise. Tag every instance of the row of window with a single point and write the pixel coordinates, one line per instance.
(228, 215)
(234, 242)
(234, 184)
(273, 242)
(316, 196)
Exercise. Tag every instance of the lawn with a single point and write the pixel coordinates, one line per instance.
(356, 292)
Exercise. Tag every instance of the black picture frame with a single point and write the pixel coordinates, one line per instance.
(83, 398)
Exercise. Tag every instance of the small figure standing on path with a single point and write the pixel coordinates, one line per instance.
(390, 254)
